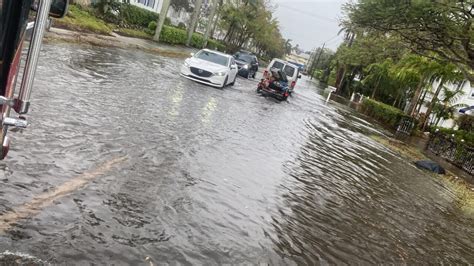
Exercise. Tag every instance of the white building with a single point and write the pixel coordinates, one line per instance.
(467, 98)
(177, 17)
(152, 5)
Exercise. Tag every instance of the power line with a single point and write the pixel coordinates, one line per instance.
(308, 13)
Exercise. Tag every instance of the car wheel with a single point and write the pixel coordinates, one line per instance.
(225, 82)
(254, 74)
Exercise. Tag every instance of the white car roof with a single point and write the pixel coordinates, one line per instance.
(285, 62)
(217, 52)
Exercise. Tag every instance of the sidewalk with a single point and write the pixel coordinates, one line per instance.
(57, 34)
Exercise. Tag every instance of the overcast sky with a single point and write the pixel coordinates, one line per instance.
(310, 23)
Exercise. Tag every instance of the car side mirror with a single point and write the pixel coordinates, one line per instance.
(58, 8)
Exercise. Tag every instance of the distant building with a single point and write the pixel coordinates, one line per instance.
(300, 59)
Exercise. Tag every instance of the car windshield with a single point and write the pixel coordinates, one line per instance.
(212, 57)
(244, 57)
(278, 65)
(289, 71)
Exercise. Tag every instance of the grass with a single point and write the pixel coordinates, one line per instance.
(134, 33)
(79, 19)
(463, 191)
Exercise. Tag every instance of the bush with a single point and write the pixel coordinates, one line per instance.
(181, 25)
(152, 26)
(467, 136)
(385, 114)
(466, 122)
(136, 16)
(130, 16)
(175, 36)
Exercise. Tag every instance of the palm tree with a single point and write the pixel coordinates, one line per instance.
(378, 74)
(446, 105)
(444, 73)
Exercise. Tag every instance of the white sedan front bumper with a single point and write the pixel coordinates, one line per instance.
(214, 80)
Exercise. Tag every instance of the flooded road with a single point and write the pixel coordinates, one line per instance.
(154, 168)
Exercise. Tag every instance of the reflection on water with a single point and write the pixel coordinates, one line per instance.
(213, 176)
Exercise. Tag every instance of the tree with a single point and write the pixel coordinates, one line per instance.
(446, 105)
(288, 46)
(181, 5)
(445, 73)
(209, 23)
(161, 19)
(194, 20)
(443, 28)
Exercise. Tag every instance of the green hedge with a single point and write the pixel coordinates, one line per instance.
(176, 36)
(385, 114)
(467, 136)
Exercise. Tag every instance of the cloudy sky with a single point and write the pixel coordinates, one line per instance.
(310, 23)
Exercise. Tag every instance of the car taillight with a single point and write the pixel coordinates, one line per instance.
(293, 83)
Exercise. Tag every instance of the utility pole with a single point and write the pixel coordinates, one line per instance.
(209, 22)
(194, 19)
(161, 19)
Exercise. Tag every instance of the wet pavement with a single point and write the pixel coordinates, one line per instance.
(209, 176)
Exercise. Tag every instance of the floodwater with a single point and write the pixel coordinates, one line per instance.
(152, 168)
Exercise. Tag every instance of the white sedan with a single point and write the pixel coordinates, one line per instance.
(210, 67)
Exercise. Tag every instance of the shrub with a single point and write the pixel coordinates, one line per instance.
(385, 114)
(466, 122)
(168, 21)
(172, 35)
(467, 136)
(136, 16)
(216, 45)
(175, 36)
(181, 25)
(152, 26)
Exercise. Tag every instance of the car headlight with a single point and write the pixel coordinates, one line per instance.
(246, 66)
(185, 64)
(220, 74)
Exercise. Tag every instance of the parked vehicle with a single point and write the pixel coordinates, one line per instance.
(275, 84)
(247, 64)
(210, 67)
(291, 71)
(13, 27)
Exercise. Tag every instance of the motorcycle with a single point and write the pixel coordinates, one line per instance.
(275, 84)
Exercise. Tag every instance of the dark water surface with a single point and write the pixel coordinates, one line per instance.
(213, 176)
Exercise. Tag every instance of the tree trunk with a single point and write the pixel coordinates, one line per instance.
(375, 89)
(433, 102)
(396, 100)
(209, 23)
(161, 19)
(214, 27)
(420, 102)
(339, 79)
(414, 100)
(194, 20)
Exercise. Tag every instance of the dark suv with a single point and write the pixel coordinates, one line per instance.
(247, 64)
